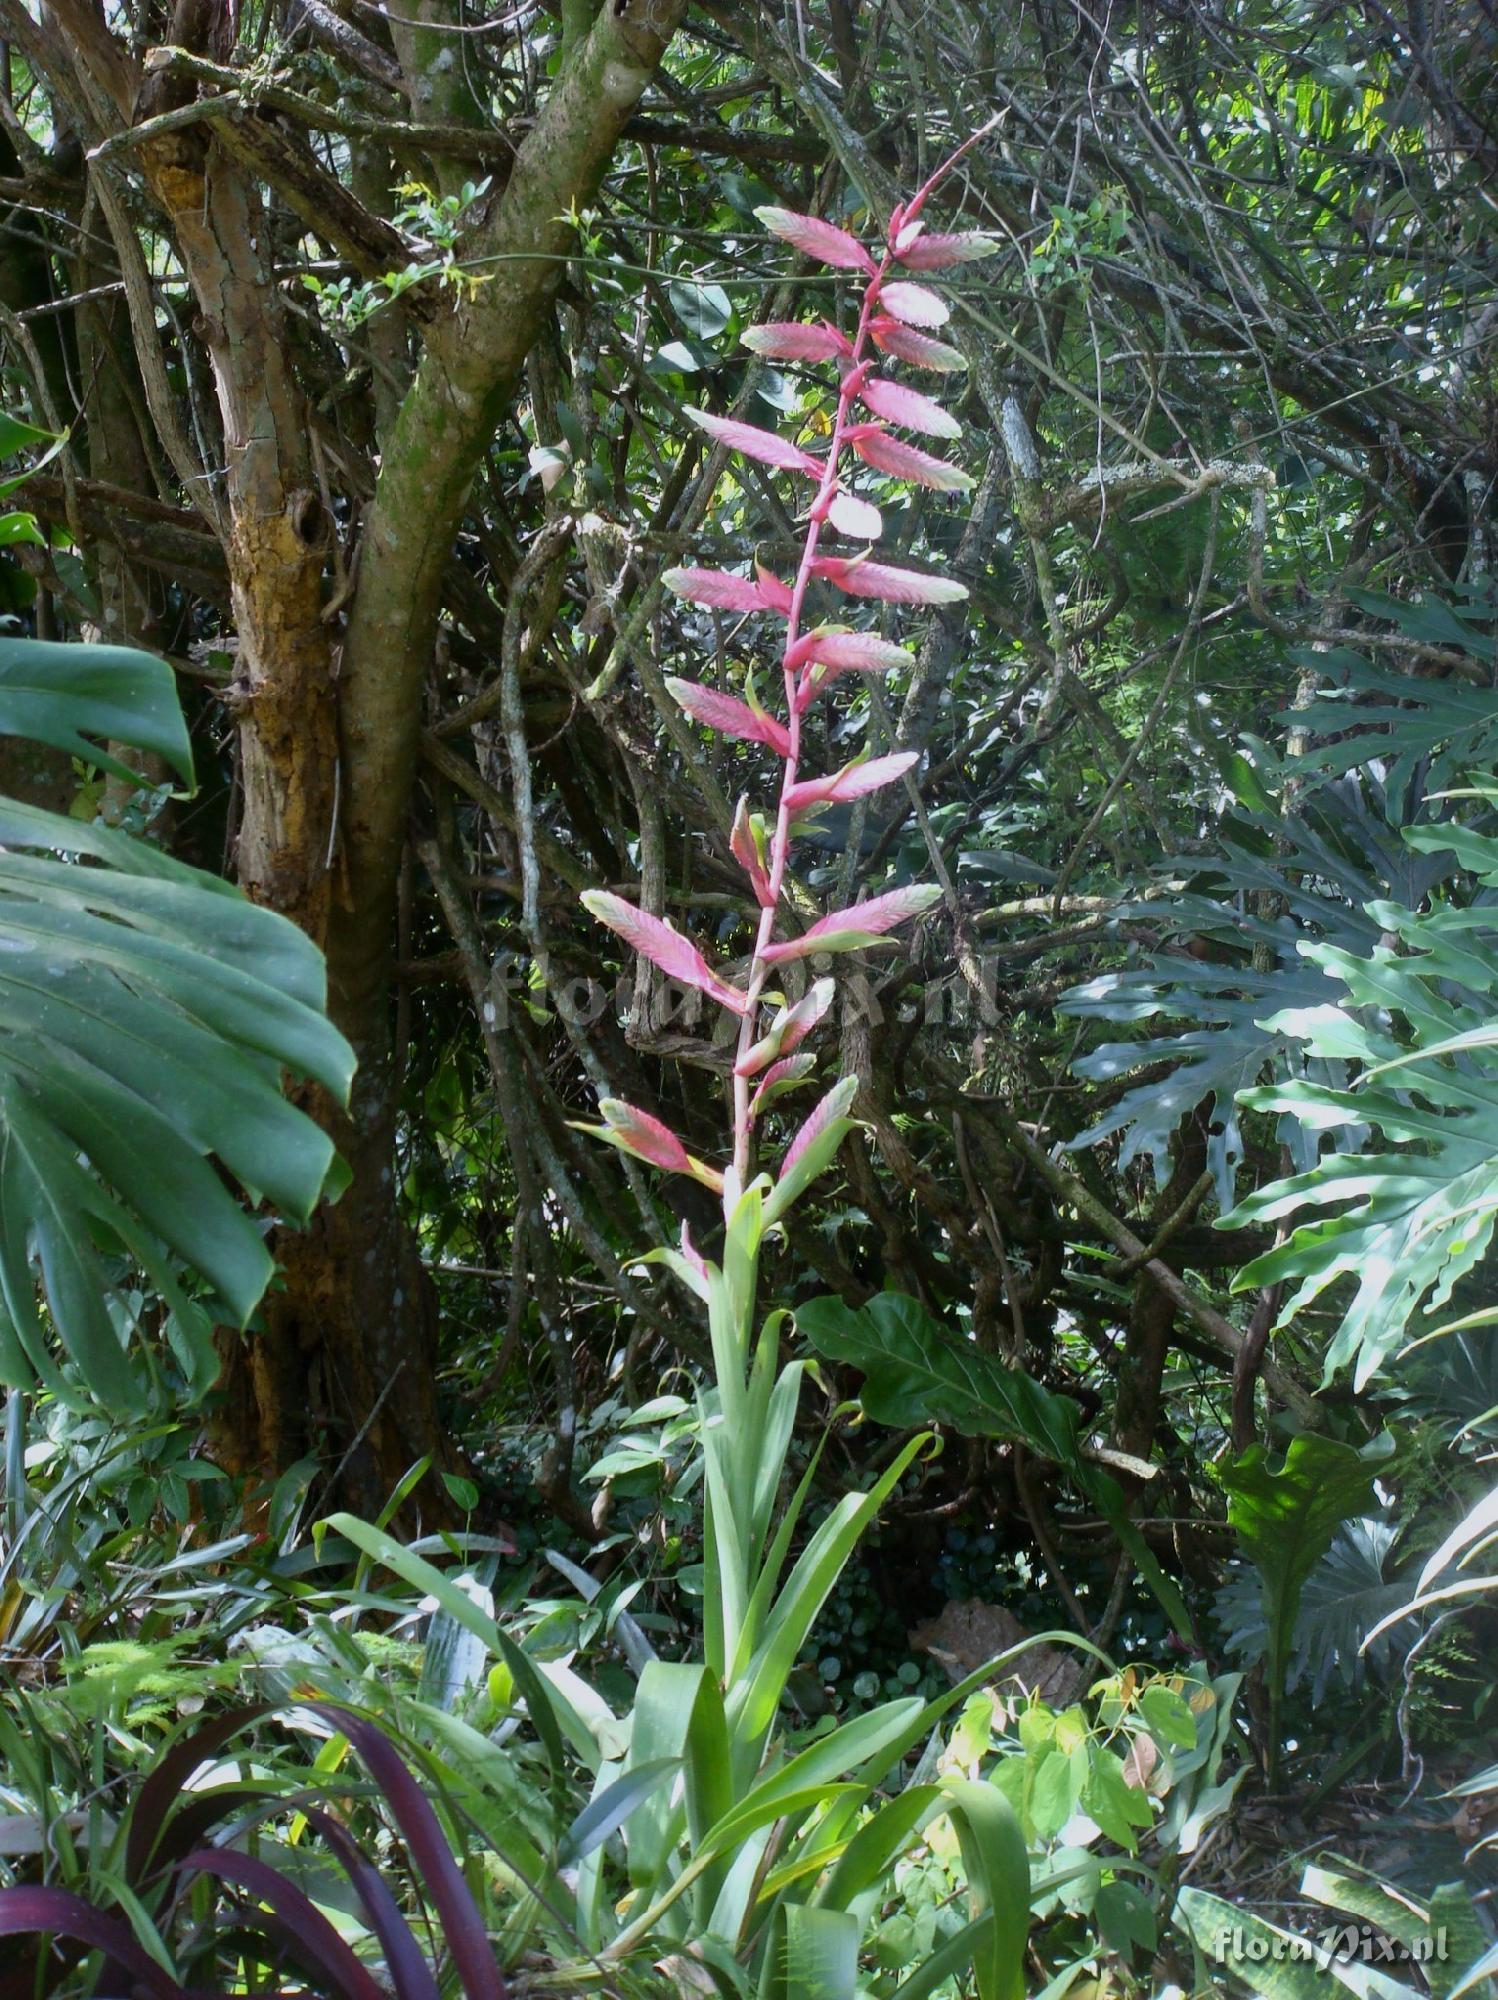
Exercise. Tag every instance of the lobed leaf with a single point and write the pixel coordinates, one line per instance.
(64, 694)
(1285, 1519)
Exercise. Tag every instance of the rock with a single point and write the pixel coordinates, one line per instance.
(967, 1634)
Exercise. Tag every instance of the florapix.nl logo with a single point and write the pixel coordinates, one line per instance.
(1335, 1944)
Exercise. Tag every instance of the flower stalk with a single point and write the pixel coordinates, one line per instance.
(892, 317)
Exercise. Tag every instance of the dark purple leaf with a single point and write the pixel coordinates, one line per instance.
(413, 1977)
(316, 1940)
(158, 1796)
(28, 1912)
(462, 1923)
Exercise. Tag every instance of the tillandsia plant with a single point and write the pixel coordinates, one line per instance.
(767, 1865)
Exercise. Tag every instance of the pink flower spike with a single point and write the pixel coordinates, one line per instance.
(656, 940)
(715, 588)
(796, 340)
(909, 408)
(894, 586)
(919, 349)
(852, 516)
(789, 1028)
(903, 461)
(808, 1011)
(746, 846)
(914, 305)
(829, 1118)
(815, 238)
(777, 595)
(779, 1078)
(766, 446)
(937, 253)
(729, 716)
(861, 925)
(692, 1254)
(645, 1138)
(853, 781)
(849, 652)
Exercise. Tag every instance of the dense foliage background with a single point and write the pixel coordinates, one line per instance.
(351, 356)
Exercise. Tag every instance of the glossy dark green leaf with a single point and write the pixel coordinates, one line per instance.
(147, 1016)
(65, 695)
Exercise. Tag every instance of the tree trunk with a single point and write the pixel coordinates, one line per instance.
(341, 1361)
(355, 1277)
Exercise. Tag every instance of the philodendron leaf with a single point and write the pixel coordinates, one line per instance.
(1217, 1009)
(916, 1372)
(1417, 1215)
(1285, 1520)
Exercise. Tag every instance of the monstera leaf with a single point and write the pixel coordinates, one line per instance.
(1418, 1022)
(1280, 884)
(147, 1013)
(62, 695)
